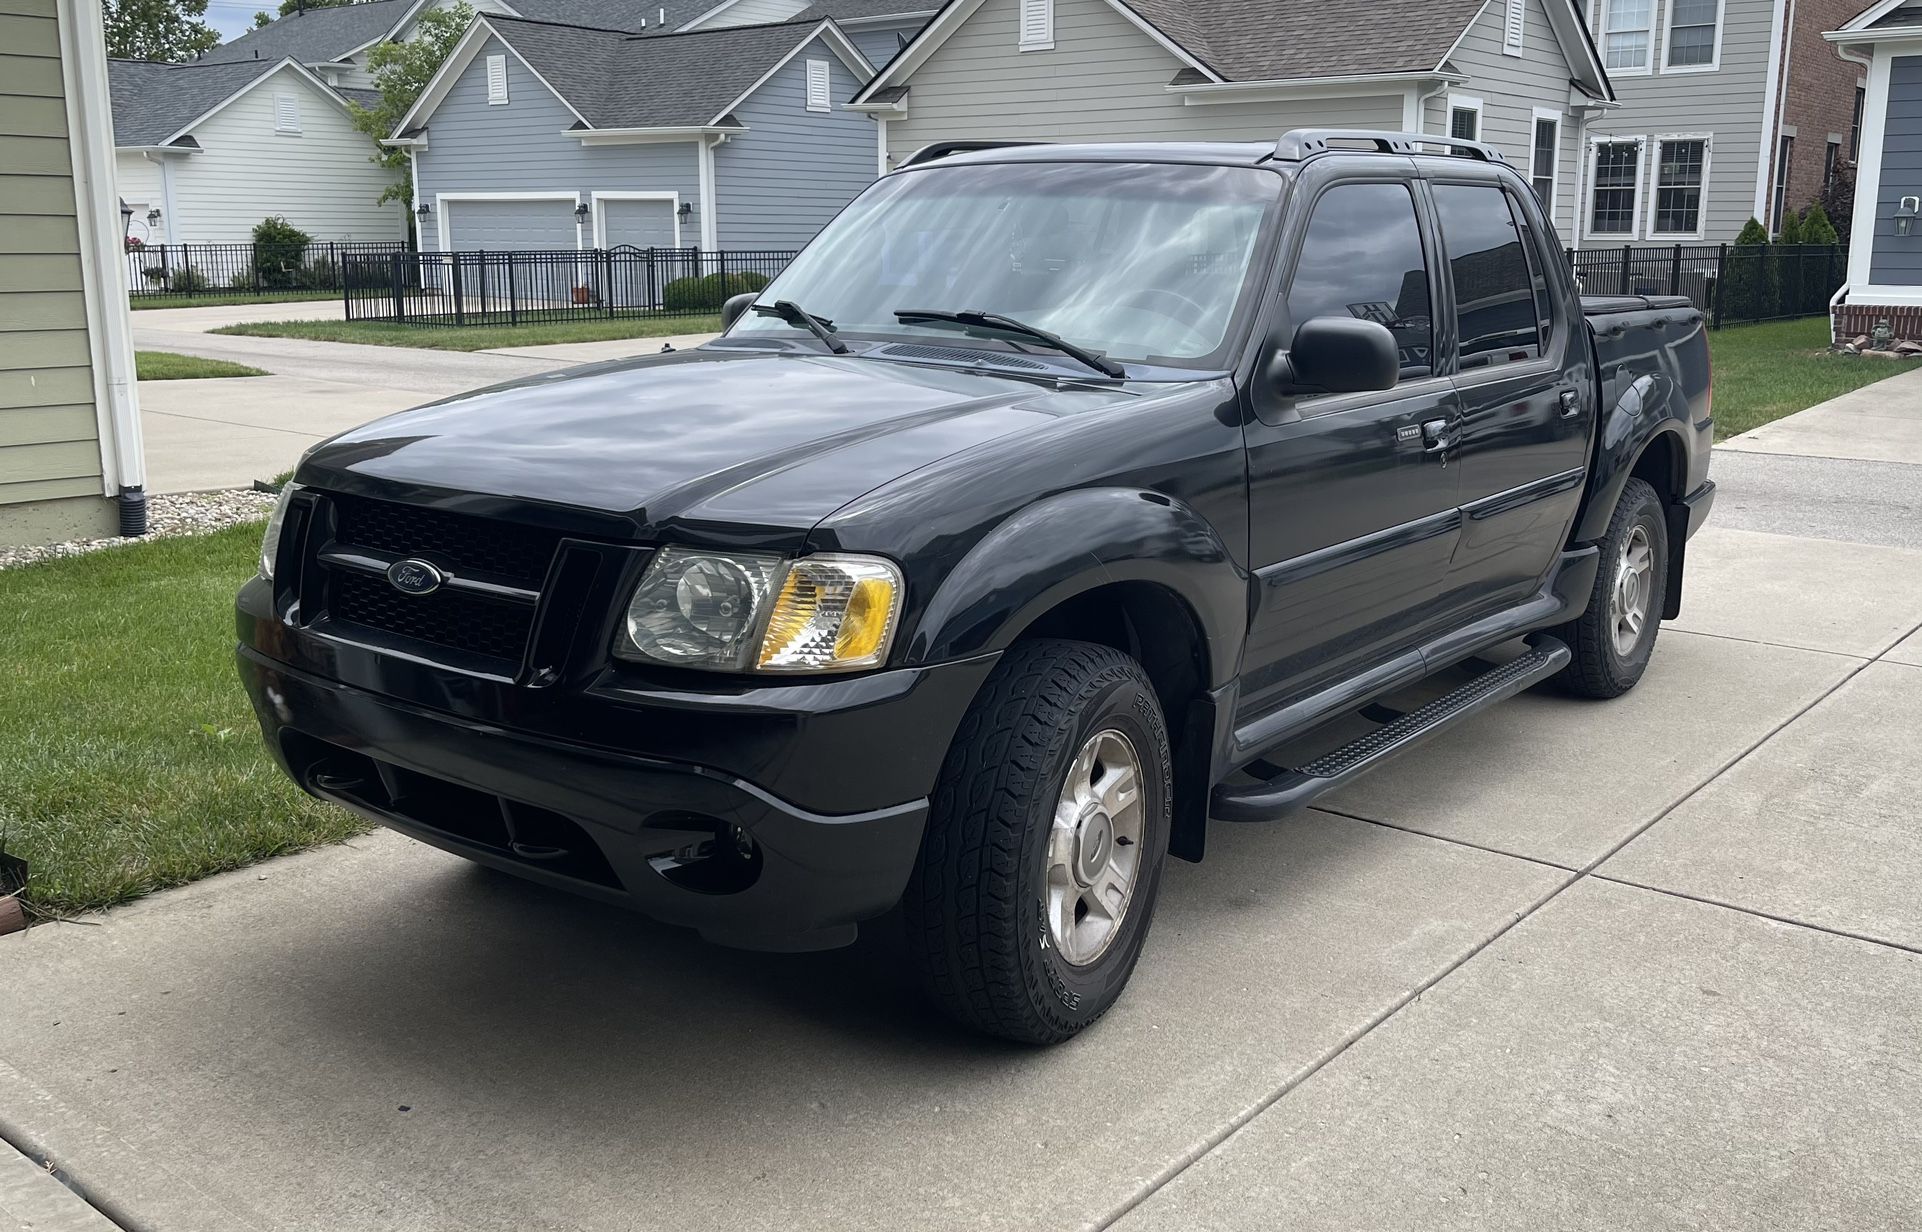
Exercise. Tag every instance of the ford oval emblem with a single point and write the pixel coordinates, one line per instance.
(414, 577)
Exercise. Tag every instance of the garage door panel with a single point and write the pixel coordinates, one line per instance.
(510, 225)
(643, 224)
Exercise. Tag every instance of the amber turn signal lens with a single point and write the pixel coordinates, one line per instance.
(833, 613)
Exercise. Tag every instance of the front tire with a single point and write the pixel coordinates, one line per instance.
(1613, 639)
(1042, 859)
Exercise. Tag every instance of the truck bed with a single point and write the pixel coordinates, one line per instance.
(1607, 305)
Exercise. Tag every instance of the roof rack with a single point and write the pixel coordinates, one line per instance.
(1298, 144)
(941, 149)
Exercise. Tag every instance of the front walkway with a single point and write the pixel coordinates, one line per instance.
(1652, 963)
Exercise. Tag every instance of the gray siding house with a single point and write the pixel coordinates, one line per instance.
(1522, 75)
(542, 136)
(1885, 256)
(69, 412)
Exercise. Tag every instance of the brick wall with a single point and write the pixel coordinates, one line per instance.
(1851, 320)
(1819, 99)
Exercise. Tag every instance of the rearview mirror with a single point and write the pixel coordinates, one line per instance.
(735, 306)
(1338, 355)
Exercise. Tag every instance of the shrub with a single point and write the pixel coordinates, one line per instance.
(319, 274)
(1791, 232)
(1838, 201)
(1750, 281)
(1816, 227)
(186, 280)
(279, 248)
(707, 292)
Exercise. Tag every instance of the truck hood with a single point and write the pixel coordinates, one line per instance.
(746, 444)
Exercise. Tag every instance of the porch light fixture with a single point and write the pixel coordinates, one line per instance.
(686, 211)
(153, 216)
(1905, 215)
(423, 210)
(580, 213)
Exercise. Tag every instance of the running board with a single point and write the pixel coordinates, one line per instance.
(1293, 789)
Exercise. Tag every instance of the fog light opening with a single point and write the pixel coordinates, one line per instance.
(709, 856)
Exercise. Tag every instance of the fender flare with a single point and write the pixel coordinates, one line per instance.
(1064, 545)
(1633, 424)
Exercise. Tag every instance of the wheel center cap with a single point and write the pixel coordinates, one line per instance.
(1094, 843)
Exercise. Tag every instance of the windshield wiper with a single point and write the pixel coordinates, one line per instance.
(794, 314)
(977, 319)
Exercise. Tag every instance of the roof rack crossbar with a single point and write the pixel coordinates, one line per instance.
(1302, 143)
(941, 149)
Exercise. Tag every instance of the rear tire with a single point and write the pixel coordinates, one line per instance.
(1613, 638)
(1039, 870)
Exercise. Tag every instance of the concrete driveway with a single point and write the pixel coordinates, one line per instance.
(231, 431)
(1648, 963)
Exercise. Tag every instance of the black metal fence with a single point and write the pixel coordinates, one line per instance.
(1732, 283)
(517, 288)
(244, 269)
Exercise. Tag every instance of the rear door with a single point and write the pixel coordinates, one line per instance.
(1524, 385)
(1352, 520)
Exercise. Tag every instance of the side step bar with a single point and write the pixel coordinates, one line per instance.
(1293, 789)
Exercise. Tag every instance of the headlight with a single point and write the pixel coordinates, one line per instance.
(751, 612)
(270, 542)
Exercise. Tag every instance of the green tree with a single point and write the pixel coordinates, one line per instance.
(1816, 227)
(157, 29)
(1838, 201)
(1791, 232)
(401, 71)
(1749, 288)
(288, 7)
(1753, 232)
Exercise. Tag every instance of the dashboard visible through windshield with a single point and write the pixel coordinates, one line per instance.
(1142, 262)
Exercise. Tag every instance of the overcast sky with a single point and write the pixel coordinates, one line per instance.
(235, 17)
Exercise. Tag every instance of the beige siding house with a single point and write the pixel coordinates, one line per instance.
(1521, 75)
(69, 422)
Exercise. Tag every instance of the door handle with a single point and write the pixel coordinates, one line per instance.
(1571, 403)
(1437, 439)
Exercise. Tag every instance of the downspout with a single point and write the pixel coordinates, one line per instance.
(1421, 106)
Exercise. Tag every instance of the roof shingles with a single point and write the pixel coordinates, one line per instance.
(152, 102)
(1283, 40)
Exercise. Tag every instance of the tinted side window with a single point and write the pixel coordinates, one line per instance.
(1495, 305)
(1362, 257)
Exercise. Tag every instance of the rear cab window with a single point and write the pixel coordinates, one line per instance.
(1504, 311)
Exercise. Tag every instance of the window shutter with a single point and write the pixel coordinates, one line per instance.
(818, 88)
(497, 79)
(1037, 24)
(286, 113)
(1513, 27)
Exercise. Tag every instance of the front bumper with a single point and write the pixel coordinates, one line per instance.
(799, 814)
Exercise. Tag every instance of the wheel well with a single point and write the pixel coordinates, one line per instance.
(1661, 467)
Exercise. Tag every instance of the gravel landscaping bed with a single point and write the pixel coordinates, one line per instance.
(188, 513)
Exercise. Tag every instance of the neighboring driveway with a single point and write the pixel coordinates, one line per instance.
(231, 431)
(1654, 962)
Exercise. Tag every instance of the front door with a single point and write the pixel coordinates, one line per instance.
(1527, 408)
(1352, 497)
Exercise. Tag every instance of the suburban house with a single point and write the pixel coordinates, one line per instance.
(69, 412)
(1730, 109)
(1522, 75)
(1885, 253)
(205, 150)
(535, 135)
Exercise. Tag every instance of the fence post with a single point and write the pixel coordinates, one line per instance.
(1628, 271)
(513, 295)
(460, 302)
(1721, 285)
(1675, 273)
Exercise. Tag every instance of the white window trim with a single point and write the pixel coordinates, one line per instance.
(598, 199)
(1041, 42)
(1601, 40)
(1463, 102)
(1586, 205)
(1715, 55)
(492, 60)
(1654, 154)
(1554, 172)
(1515, 9)
(441, 200)
(807, 88)
(293, 100)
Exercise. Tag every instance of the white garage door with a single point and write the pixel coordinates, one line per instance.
(644, 224)
(501, 226)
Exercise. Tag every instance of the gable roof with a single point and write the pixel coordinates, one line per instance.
(1245, 41)
(630, 16)
(154, 103)
(613, 79)
(316, 35)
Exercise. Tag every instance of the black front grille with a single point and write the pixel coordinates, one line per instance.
(459, 542)
(445, 618)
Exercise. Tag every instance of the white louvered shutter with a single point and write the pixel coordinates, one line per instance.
(1513, 26)
(286, 113)
(818, 89)
(497, 79)
(1037, 23)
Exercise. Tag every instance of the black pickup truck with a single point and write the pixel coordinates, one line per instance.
(1021, 526)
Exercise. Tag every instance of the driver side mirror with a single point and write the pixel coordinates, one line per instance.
(736, 305)
(1337, 355)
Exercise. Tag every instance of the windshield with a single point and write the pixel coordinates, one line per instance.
(1140, 261)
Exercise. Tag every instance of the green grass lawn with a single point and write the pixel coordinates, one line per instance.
(167, 366)
(132, 758)
(213, 300)
(1763, 372)
(476, 337)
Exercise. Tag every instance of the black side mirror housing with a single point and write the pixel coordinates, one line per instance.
(1337, 355)
(735, 307)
